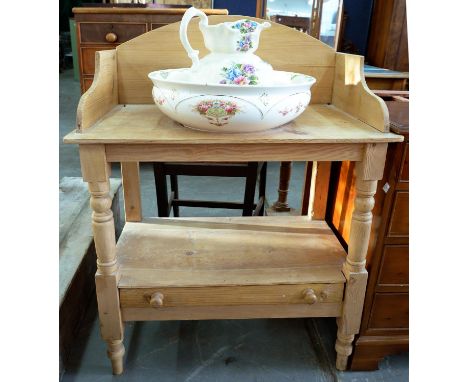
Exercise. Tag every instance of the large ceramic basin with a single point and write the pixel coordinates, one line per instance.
(228, 107)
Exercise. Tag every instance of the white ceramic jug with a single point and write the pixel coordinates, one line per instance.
(232, 45)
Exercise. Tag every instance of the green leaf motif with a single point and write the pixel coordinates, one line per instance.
(216, 112)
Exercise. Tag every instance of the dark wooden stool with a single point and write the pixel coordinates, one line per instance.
(250, 171)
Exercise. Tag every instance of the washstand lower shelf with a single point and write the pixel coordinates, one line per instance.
(218, 268)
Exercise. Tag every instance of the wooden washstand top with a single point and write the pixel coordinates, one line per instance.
(119, 109)
(146, 124)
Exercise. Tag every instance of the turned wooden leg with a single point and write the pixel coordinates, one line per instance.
(281, 205)
(343, 347)
(367, 173)
(95, 171)
(116, 351)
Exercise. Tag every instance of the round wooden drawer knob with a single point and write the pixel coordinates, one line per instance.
(111, 37)
(156, 300)
(310, 296)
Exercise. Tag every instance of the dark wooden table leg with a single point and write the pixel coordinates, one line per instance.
(281, 205)
(262, 188)
(251, 182)
(161, 189)
(175, 191)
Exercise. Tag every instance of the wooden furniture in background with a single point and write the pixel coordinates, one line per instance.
(392, 93)
(200, 4)
(385, 79)
(384, 327)
(281, 205)
(260, 9)
(105, 28)
(388, 38)
(317, 178)
(272, 266)
(250, 171)
(302, 24)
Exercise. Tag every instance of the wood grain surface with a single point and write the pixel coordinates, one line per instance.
(332, 309)
(231, 295)
(146, 124)
(101, 97)
(183, 252)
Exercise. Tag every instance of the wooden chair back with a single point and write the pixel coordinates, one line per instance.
(283, 47)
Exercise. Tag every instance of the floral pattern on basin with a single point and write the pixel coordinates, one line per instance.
(245, 28)
(239, 74)
(297, 109)
(159, 100)
(218, 112)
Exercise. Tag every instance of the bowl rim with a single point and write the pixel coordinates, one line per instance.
(309, 81)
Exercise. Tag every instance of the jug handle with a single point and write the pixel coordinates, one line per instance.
(188, 15)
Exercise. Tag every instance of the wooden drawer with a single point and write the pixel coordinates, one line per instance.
(86, 83)
(404, 171)
(157, 25)
(394, 266)
(231, 295)
(399, 221)
(390, 310)
(96, 32)
(88, 58)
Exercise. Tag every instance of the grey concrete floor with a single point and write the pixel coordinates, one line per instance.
(213, 350)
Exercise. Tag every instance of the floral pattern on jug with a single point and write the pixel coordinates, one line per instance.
(218, 112)
(245, 27)
(239, 74)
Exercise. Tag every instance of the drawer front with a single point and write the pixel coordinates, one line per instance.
(88, 58)
(399, 221)
(157, 25)
(404, 171)
(395, 264)
(235, 295)
(86, 83)
(390, 311)
(97, 32)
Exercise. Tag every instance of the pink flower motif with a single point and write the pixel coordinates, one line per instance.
(203, 107)
(241, 80)
(299, 106)
(218, 112)
(285, 111)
